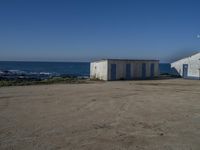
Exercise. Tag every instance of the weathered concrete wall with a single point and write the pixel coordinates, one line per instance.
(98, 70)
(193, 66)
(136, 69)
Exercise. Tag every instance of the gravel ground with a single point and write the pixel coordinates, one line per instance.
(121, 115)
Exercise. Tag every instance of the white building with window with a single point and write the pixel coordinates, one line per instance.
(188, 67)
(123, 69)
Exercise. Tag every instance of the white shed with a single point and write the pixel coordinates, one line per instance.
(188, 67)
(124, 69)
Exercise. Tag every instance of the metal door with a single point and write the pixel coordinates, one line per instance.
(113, 71)
(128, 71)
(143, 71)
(152, 70)
(185, 70)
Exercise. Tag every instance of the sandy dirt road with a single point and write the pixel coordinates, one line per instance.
(122, 115)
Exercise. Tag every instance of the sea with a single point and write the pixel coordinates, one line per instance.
(13, 69)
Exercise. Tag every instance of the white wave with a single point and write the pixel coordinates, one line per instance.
(17, 71)
(45, 73)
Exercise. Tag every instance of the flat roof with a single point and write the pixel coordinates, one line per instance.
(125, 60)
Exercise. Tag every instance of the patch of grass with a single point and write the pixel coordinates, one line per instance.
(21, 82)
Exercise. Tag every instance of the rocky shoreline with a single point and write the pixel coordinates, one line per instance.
(15, 78)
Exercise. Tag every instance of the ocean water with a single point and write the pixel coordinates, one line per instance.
(165, 68)
(55, 68)
(46, 68)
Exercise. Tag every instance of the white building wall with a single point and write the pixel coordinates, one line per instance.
(136, 69)
(99, 70)
(102, 69)
(157, 70)
(193, 66)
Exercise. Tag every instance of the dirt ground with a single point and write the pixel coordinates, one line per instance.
(121, 115)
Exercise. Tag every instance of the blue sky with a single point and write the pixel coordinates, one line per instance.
(84, 30)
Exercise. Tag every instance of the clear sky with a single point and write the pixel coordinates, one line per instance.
(84, 30)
